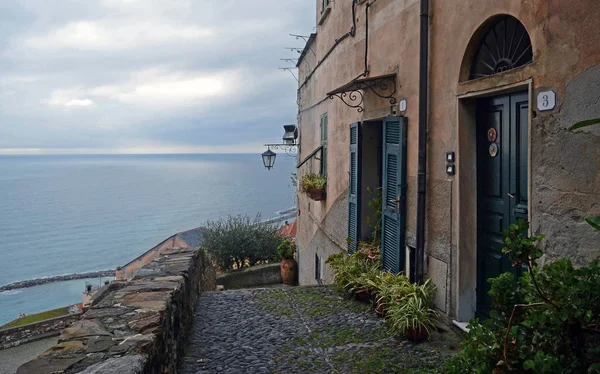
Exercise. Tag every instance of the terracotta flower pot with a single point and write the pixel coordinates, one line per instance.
(317, 195)
(289, 271)
(363, 295)
(417, 335)
(380, 309)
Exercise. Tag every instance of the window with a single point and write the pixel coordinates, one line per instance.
(325, 9)
(318, 268)
(324, 121)
(325, 5)
(505, 46)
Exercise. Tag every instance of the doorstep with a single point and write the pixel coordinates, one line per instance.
(461, 325)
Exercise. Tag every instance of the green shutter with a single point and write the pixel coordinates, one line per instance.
(324, 122)
(354, 189)
(394, 194)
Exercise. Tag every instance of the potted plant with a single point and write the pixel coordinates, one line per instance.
(412, 316)
(365, 283)
(314, 185)
(288, 266)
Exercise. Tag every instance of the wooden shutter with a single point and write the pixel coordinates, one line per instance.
(394, 194)
(354, 189)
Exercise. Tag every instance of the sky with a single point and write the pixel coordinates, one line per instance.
(147, 76)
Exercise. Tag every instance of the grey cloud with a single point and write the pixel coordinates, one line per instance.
(67, 96)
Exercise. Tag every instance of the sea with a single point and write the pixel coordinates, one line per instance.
(63, 214)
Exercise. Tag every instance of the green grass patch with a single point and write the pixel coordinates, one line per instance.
(32, 318)
(275, 301)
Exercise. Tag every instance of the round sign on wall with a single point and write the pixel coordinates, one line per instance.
(492, 134)
(493, 149)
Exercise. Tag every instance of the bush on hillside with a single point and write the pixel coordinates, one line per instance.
(240, 241)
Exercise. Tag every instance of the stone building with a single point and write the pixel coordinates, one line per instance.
(476, 96)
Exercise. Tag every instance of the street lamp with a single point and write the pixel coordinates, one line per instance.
(269, 158)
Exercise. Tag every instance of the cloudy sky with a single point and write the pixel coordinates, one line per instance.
(139, 76)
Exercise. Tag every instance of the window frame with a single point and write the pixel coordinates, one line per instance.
(324, 130)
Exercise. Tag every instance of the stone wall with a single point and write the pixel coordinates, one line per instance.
(139, 326)
(35, 331)
(254, 276)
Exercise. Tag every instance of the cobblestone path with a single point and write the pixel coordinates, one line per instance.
(299, 330)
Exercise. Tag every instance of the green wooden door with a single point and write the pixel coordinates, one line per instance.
(354, 189)
(502, 196)
(393, 227)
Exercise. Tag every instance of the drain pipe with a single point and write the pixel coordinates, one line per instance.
(419, 275)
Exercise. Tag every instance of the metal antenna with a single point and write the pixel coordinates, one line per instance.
(299, 50)
(291, 72)
(305, 38)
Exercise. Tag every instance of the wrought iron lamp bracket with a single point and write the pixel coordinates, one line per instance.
(289, 149)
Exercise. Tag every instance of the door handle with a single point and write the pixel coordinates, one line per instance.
(521, 210)
(512, 196)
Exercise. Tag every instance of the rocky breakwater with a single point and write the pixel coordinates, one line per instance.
(57, 278)
(139, 326)
(35, 331)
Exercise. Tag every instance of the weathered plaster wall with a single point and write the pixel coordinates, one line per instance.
(139, 326)
(322, 226)
(563, 191)
(567, 173)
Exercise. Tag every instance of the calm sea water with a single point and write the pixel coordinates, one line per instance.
(67, 214)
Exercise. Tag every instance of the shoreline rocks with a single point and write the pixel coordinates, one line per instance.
(56, 278)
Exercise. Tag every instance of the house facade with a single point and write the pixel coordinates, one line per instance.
(457, 111)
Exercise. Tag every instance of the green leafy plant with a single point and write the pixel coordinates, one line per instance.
(352, 272)
(408, 306)
(545, 321)
(286, 249)
(239, 241)
(594, 221)
(585, 123)
(411, 313)
(312, 181)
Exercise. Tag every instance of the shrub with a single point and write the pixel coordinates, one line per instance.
(286, 249)
(545, 321)
(240, 241)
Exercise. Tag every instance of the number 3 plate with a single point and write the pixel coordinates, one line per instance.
(546, 100)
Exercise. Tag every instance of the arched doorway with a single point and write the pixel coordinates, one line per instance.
(494, 143)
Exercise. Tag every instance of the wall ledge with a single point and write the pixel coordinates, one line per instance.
(139, 326)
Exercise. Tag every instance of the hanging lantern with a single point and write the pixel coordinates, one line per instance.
(269, 158)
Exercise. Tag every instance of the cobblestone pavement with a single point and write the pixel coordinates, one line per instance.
(301, 330)
(12, 358)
